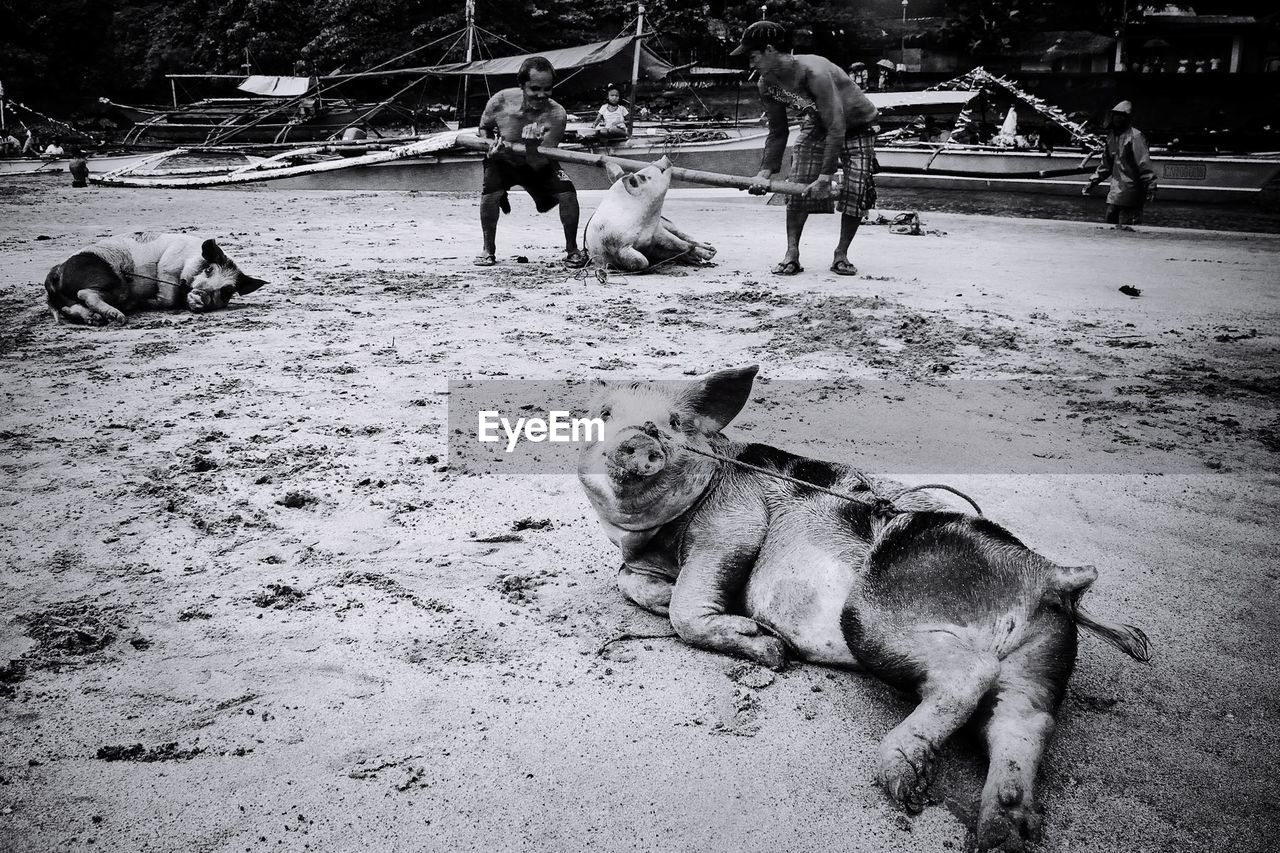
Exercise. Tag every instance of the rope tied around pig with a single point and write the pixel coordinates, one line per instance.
(881, 505)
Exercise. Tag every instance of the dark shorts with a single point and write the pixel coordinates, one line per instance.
(857, 192)
(543, 185)
(1122, 215)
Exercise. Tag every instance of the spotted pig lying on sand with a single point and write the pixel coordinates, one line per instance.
(145, 271)
(950, 604)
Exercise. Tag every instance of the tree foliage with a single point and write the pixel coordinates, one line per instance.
(58, 52)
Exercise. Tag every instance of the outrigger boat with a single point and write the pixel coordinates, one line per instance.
(1000, 166)
(432, 164)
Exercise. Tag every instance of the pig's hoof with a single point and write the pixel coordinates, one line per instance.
(117, 318)
(1008, 822)
(767, 651)
(906, 769)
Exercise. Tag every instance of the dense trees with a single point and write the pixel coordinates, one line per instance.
(59, 52)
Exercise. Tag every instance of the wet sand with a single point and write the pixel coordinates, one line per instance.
(245, 607)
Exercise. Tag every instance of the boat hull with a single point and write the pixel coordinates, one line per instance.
(1179, 178)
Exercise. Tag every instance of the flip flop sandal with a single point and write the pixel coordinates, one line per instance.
(844, 268)
(788, 268)
(485, 261)
(576, 260)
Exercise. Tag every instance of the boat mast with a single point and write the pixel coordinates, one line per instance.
(635, 69)
(466, 78)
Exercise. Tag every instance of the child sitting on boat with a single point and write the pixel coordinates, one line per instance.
(612, 116)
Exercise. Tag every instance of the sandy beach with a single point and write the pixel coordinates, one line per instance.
(247, 604)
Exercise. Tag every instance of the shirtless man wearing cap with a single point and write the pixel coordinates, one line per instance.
(836, 128)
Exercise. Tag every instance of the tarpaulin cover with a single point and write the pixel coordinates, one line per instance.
(277, 87)
(608, 53)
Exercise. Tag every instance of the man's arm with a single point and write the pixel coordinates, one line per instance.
(544, 133)
(1101, 173)
(831, 111)
(488, 128)
(1142, 158)
(776, 144)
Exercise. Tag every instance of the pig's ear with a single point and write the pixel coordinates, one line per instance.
(614, 172)
(212, 253)
(247, 284)
(717, 398)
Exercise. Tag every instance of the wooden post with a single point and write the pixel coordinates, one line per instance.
(693, 176)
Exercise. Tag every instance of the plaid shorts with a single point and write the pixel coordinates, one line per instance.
(857, 189)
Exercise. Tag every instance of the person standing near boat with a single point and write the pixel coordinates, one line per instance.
(1126, 160)
(526, 114)
(837, 127)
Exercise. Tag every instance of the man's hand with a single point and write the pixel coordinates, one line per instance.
(533, 133)
(1088, 188)
(760, 183)
(819, 189)
(497, 144)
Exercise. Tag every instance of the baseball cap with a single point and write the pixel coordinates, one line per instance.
(760, 34)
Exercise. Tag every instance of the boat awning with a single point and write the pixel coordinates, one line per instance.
(921, 103)
(600, 53)
(277, 87)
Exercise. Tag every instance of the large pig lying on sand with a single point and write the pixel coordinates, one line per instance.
(627, 232)
(144, 271)
(947, 603)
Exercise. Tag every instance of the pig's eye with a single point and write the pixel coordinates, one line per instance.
(606, 413)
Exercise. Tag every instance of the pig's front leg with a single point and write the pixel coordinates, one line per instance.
(650, 591)
(712, 575)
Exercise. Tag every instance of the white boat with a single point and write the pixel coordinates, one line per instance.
(1206, 179)
(1064, 171)
(179, 162)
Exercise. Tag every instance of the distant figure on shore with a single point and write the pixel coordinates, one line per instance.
(1126, 160)
(612, 116)
(837, 128)
(526, 114)
(54, 149)
(78, 168)
(30, 147)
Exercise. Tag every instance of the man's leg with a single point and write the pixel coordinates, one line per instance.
(569, 219)
(848, 230)
(489, 213)
(795, 228)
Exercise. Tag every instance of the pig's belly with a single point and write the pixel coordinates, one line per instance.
(799, 594)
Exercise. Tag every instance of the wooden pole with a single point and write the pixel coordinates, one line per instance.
(693, 176)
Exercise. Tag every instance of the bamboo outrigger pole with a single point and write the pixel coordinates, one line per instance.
(436, 145)
(693, 176)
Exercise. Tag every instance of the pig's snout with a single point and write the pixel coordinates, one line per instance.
(639, 455)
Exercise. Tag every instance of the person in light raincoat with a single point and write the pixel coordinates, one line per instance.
(1127, 162)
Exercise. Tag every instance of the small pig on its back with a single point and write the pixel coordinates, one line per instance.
(747, 562)
(627, 232)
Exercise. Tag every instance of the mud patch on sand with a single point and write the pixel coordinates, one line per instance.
(883, 334)
(279, 596)
(390, 587)
(137, 752)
